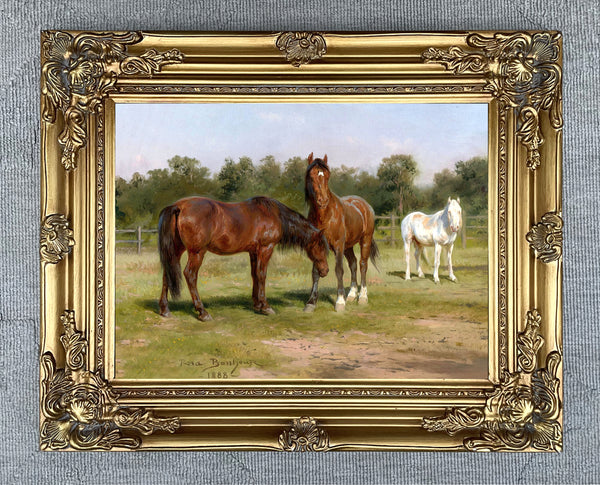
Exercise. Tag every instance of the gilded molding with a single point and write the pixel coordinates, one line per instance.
(241, 90)
(56, 238)
(305, 434)
(79, 72)
(301, 47)
(546, 237)
(522, 71)
(80, 410)
(298, 392)
(522, 412)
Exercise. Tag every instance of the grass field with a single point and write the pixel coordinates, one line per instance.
(409, 329)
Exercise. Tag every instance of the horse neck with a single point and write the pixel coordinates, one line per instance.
(323, 213)
(444, 217)
(296, 230)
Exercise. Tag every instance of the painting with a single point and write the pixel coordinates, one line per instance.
(302, 240)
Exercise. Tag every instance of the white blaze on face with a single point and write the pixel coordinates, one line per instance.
(321, 174)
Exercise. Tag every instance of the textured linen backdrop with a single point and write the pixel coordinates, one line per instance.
(20, 460)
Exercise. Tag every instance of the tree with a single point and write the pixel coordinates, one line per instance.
(397, 174)
(468, 180)
(473, 183)
(290, 189)
(268, 175)
(184, 166)
(235, 177)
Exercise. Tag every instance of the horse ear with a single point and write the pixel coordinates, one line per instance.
(449, 199)
(325, 159)
(458, 200)
(310, 158)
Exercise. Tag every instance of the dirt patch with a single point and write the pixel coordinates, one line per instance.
(440, 353)
(138, 342)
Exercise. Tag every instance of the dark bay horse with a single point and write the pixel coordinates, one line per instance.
(198, 225)
(345, 221)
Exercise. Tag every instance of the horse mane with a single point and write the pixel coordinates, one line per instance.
(309, 191)
(296, 230)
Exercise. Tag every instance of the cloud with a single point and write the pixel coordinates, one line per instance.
(397, 146)
(270, 116)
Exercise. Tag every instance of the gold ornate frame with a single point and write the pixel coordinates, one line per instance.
(84, 407)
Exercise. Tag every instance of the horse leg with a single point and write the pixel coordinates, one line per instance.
(351, 258)
(365, 252)
(163, 303)
(418, 251)
(314, 294)
(262, 261)
(340, 303)
(254, 273)
(407, 256)
(436, 264)
(191, 277)
(450, 272)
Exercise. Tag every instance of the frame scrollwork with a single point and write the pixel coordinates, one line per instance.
(80, 410)
(522, 70)
(522, 412)
(78, 72)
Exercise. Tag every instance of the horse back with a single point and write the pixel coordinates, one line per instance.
(425, 230)
(225, 228)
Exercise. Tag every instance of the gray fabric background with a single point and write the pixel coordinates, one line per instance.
(20, 462)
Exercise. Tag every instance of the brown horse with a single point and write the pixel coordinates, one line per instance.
(345, 221)
(198, 225)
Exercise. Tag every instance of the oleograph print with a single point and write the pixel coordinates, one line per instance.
(301, 241)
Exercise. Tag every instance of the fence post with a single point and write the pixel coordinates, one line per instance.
(463, 230)
(139, 239)
(393, 230)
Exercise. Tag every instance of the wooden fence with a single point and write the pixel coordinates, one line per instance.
(138, 236)
(395, 235)
(470, 223)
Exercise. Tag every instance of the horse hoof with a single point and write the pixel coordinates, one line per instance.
(350, 298)
(453, 278)
(309, 308)
(437, 282)
(264, 311)
(204, 317)
(340, 307)
(363, 301)
(407, 278)
(166, 314)
(421, 275)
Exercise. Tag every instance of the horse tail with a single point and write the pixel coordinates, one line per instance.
(167, 236)
(374, 254)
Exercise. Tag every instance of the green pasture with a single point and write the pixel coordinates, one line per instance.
(408, 328)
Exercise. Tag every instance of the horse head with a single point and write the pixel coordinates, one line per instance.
(454, 212)
(317, 251)
(317, 181)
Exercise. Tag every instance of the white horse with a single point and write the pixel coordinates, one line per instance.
(439, 230)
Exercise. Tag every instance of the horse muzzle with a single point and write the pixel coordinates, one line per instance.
(322, 202)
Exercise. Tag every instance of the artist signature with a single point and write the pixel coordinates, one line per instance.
(220, 368)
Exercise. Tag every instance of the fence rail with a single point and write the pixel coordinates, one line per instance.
(396, 235)
(393, 228)
(138, 236)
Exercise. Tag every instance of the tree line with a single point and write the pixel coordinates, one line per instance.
(391, 189)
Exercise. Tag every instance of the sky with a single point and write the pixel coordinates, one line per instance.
(351, 134)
